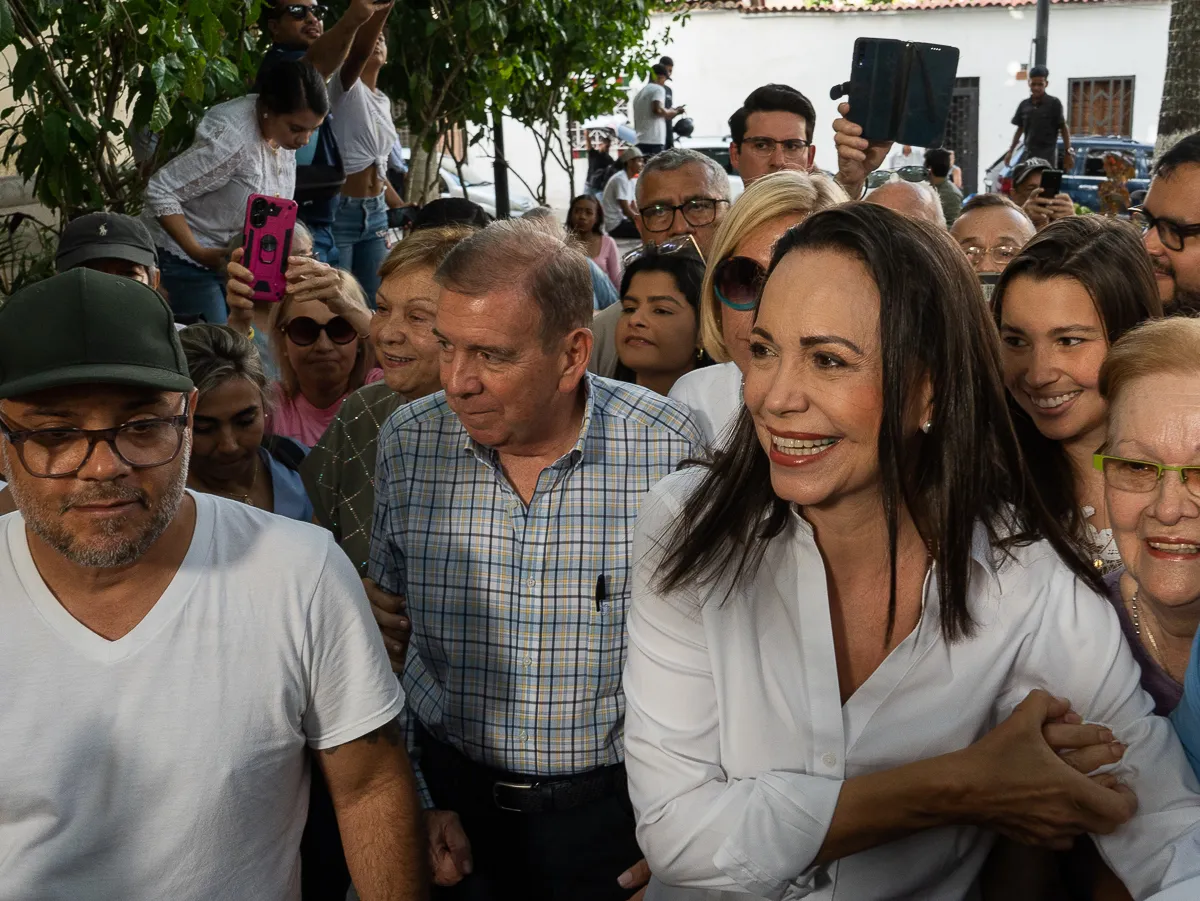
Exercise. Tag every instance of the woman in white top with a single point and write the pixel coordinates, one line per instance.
(197, 202)
(832, 625)
(740, 254)
(1074, 289)
(362, 121)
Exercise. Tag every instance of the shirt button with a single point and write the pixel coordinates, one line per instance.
(532, 583)
(524, 736)
(829, 759)
(528, 661)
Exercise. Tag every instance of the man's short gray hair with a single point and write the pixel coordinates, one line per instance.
(677, 158)
(539, 261)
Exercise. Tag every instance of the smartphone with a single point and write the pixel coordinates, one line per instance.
(267, 241)
(1051, 182)
(901, 90)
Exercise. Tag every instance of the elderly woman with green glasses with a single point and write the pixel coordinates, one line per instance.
(1151, 465)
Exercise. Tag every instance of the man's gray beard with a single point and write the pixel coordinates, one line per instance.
(44, 520)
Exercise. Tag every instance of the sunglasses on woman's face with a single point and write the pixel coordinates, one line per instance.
(304, 331)
(737, 282)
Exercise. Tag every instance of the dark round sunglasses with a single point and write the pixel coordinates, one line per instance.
(737, 282)
(299, 11)
(303, 331)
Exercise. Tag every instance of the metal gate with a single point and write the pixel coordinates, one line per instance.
(962, 130)
(1101, 106)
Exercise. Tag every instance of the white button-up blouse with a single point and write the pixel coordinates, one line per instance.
(210, 182)
(737, 742)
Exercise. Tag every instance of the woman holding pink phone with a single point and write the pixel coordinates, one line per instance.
(196, 203)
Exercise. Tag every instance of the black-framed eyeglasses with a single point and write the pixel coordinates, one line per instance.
(62, 453)
(793, 148)
(1142, 476)
(304, 330)
(881, 177)
(738, 281)
(299, 11)
(684, 245)
(659, 217)
(1172, 234)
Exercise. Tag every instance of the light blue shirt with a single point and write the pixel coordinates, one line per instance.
(1186, 716)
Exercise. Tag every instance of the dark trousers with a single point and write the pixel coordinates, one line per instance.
(625, 229)
(650, 149)
(566, 855)
(324, 875)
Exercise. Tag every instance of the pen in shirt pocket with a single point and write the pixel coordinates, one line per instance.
(601, 592)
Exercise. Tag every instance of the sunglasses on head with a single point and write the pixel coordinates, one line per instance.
(299, 11)
(684, 245)
(303, 331)
(737, 282)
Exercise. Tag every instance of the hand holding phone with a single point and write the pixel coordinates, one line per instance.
(267, 242)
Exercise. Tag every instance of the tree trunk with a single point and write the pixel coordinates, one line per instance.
(1179, 115)
(421, 186)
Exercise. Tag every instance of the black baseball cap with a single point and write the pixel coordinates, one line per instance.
(1025, 168)
(88, 327)
(105, 236)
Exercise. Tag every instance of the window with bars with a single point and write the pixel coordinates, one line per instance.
(1101, 106)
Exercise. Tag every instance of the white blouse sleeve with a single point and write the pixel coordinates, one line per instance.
(1077, 651)
(698, 828)
(217, 152)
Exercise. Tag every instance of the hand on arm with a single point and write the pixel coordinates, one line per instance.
(637, 876)
(329, 51)
(391, 614)
(372, 787)
(310, 279)
(857, 157)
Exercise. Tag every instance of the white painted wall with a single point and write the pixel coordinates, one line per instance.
(721, 55)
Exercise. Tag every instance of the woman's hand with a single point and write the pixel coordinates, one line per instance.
(208, 257)
(1085, 746)
(239, 295)
(1015, 784)
(310, 279)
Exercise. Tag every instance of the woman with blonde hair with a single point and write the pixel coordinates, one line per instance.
(737, 268)
(322, 348)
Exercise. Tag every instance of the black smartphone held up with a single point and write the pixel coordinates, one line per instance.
(1051, 182)
(900, 90)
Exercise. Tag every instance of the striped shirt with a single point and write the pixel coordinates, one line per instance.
(518, 611)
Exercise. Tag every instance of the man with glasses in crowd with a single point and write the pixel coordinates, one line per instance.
(772, 131)
(297, 31)
(1170, 222)
(505, 509)
(991, 230)
(680, 192)
(165, 674)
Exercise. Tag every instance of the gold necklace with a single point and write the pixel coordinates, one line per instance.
(242, 498)
(1137, 628)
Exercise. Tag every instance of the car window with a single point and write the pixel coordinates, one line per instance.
(1142, 163)
(720, 154)
(1093, 164)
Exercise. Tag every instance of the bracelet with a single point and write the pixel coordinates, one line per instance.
(250, 337)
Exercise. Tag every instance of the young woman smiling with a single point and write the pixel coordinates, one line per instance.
(1068, 296)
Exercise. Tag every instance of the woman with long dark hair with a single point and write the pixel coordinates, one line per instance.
(838, 627)
(585, 221)
(1070, 294)
(658, 335)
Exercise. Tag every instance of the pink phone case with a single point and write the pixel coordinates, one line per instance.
(270, 223)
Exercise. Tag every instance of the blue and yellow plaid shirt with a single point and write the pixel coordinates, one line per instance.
(517, 652)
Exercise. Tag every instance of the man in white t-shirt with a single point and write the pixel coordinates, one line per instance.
(618, 202)
(169, 658)
(651, 115)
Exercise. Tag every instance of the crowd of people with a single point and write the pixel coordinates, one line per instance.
(850, 552)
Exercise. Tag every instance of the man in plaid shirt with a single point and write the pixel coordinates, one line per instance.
(504, 513)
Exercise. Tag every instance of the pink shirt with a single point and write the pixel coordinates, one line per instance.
(296, 418)
(609, 259)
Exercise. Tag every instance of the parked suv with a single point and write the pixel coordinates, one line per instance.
(1082, 182)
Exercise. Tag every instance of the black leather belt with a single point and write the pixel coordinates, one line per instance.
(523, 794)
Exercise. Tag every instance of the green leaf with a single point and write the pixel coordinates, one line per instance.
(158, 72)
(29, 64)
(8, 32)
(160, 117)
(212, 33)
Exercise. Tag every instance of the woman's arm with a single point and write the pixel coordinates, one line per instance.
(611, 261)
(177, 227)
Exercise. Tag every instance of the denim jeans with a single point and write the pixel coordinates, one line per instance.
(324, 247)
(360, 231)
(192, 289)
